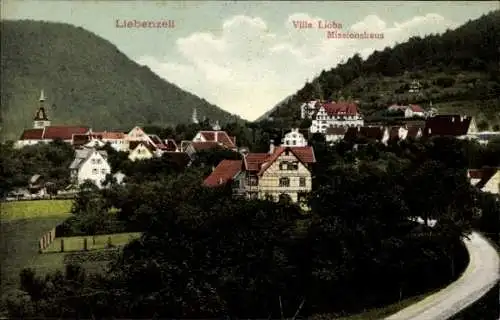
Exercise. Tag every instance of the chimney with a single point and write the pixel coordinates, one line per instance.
(271, 147)
(216, 136)
(213, 168)
(221, 181)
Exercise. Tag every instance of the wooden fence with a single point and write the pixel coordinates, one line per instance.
(47, 239)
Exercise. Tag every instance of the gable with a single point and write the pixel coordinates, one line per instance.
(282, 163)
(137, 133)
(142, 149)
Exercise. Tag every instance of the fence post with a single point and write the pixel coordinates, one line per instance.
(93, 240)
(109, 244)
(85, 244)
(62, 245)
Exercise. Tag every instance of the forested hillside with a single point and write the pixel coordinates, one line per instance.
(459, 71)
(86, 79)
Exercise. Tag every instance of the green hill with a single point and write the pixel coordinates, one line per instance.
(87, 80)
(459, 71)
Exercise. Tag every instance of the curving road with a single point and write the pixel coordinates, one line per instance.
(481, 275)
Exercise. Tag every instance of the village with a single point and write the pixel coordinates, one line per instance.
(284, 171)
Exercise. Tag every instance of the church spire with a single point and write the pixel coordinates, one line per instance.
(42, 96)
(41, 119)
(195, 116)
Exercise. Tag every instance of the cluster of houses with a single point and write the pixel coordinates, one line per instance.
(343, 120)
(282, 172)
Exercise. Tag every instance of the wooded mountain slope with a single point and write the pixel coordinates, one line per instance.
(86, 79)
(459, 72)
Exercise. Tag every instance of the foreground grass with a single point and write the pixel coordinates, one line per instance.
(16, 210)
(93, 242)
(19, 246)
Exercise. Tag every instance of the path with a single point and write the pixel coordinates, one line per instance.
(481, 275)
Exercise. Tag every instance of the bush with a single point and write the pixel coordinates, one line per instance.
(445, 82)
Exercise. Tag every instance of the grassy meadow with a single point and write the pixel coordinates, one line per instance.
(35, 209)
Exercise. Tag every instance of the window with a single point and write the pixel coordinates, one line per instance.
(94, 171)
(294, 142)
(284, 182)
(302, 182)
(283, 165)
(103, 171)
(269, 197)
(252, 181)
(98, 161)
(93, 161)
(253, 195)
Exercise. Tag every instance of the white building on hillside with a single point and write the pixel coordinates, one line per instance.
(294, 139)
(341, 114)
(90, 164)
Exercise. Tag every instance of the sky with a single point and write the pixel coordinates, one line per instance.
(246, 56)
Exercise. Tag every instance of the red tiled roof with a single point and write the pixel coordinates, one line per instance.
(223, 173)
(198, 146)
(80, 139)
(32, 134)
(447, 125)
(475, 173)
(171, 145)
(347, 108)
(303, 154)
(254, 160)
(219, 136)
(110, 135)
(376, 133)
(63, 132)
(416, 108)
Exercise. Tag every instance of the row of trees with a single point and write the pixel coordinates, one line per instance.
(205, 254)
(50, 160)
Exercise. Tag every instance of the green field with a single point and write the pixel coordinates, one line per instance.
(35, 209)
(93, 242)
(19, 241)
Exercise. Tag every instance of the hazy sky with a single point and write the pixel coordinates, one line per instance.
(247, 56)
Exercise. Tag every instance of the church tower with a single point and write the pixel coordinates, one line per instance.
(41, 120)
(195, 116)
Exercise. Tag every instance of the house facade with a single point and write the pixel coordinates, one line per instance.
(141, 150)
(294, 139)
(283, 172)
(333, 135)
(342, 114)
(219, 137)
(90, 164)
(117, 140)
